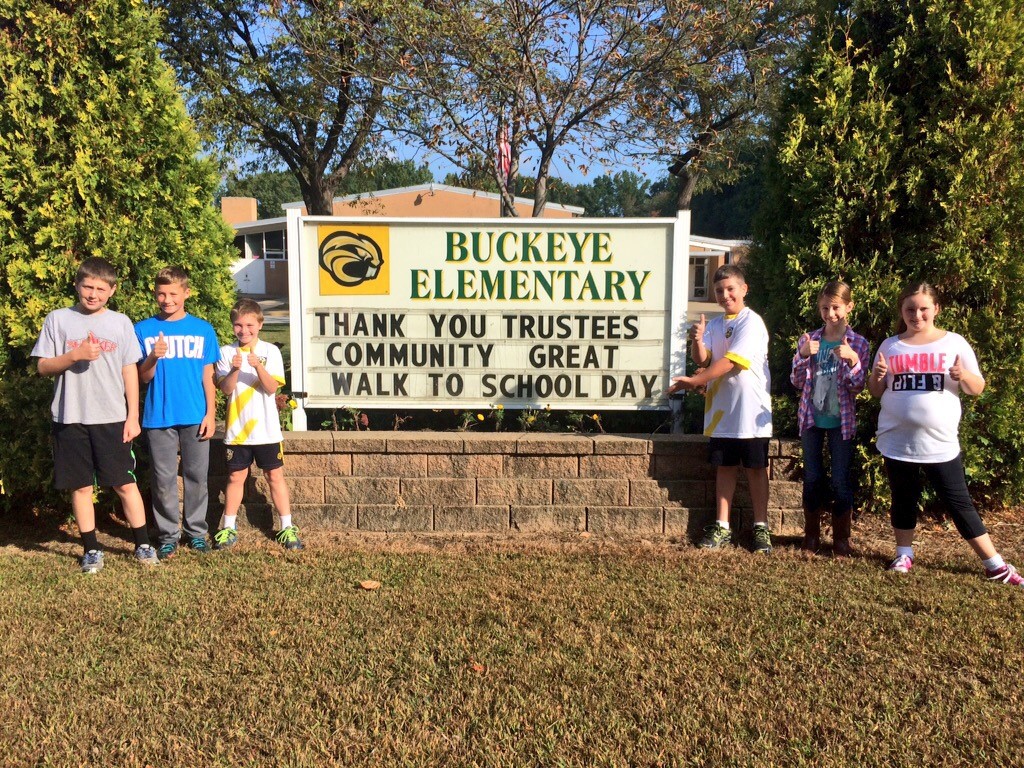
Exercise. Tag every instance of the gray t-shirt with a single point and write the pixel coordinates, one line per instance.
(89, 392)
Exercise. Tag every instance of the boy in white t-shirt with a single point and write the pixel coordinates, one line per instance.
(249, 372)
(733, 353)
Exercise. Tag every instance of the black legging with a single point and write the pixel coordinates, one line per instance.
(947, 478)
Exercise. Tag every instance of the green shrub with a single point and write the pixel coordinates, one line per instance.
(97, 158)
(899, 157)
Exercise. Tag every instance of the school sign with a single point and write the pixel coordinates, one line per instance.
(443, 313)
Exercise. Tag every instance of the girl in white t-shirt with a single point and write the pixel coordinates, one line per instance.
(919, 374)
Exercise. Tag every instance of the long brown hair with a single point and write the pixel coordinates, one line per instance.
(836, 289)
(912, 289)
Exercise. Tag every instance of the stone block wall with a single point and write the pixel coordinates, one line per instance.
(464, 482)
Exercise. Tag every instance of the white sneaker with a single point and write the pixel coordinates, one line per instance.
(901, 564)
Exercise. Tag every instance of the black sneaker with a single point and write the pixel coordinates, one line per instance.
(762, 540)
(198, 544)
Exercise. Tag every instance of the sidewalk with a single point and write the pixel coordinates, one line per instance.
(275, 311)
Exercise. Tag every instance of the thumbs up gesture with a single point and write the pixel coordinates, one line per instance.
(160, 347)
(956, 372)
(808, 346)
(236, 361)
(90, 349)
(696, 331)
(881, 368)
(845, 353)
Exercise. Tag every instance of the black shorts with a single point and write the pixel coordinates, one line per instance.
(751, 452)
(91, 454)
(268, 456)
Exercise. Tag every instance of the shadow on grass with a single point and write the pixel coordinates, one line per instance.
(53, 534)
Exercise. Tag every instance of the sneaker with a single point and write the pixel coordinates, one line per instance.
(289, 538)
(167, 551)
(901, 564)
(1006, 575)
(146, 555)
(92, 561)
(225, 538)
(715, 537)
(762, 540)
(198, 544)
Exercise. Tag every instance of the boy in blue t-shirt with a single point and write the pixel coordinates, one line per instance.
(179, 411)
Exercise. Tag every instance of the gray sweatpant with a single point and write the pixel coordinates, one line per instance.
(164, 445)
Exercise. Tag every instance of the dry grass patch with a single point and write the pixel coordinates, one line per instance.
(480, 651)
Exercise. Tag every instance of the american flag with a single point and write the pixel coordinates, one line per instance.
(504, 154)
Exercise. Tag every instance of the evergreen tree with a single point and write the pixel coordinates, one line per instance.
(899, 157)
(97, 158)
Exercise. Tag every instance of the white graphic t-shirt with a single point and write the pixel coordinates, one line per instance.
(739, 404)
(920, 415)
(252, 414)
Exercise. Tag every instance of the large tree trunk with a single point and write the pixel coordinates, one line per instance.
(687, 185)
(318, 196)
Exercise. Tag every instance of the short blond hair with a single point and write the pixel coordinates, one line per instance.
(246, 307)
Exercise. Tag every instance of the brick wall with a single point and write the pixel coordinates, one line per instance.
(505, 483)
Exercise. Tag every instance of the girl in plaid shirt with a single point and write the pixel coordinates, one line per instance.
(828, 369)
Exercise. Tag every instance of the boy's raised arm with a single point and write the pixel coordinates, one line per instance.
(698, 351)
(147, 368)
(87, 350)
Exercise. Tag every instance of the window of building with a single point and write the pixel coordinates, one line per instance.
(262, 245)
(273, 244)
(699, 278)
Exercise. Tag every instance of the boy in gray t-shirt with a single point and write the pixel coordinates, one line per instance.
(92, 352)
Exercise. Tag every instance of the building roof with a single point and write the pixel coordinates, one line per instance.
(433, 187)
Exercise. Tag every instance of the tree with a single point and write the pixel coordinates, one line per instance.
(726, 203)
(623, 194)
(899, 158)
(97, 157)
(711, 94)
(542, 76)
(385, 173)
(298, 82)
(272, 189)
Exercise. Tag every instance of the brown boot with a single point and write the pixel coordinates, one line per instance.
(841, 534)
(812, 531)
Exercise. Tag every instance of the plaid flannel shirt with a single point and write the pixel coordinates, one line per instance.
(851, 382)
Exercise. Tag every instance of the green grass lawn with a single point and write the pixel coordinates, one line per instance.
(497, 654)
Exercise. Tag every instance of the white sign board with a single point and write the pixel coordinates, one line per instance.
(432, 313)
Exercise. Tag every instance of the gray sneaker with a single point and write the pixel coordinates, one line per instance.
(225, 538)
(289, 538)
(715, 536)
(146, 555)
(92, 561)
(762, 540)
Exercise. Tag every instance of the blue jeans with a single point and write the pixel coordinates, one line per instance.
(816, 488)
